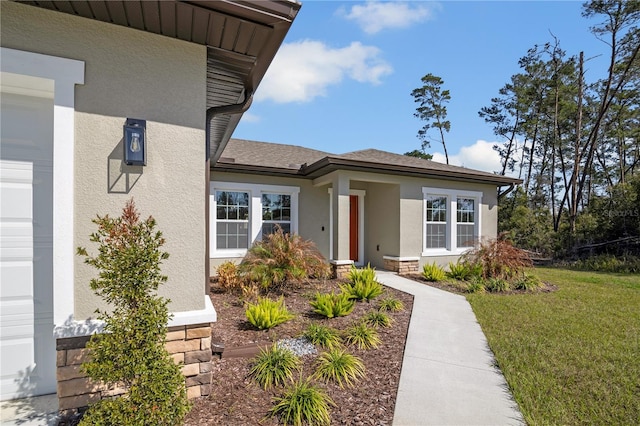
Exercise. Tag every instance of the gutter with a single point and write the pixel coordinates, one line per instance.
(508, 190)
(231, 109)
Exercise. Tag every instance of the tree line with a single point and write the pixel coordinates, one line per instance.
(574, 142)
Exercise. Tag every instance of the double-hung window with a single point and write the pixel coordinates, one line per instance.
(436, 221)
(451, 220)
(242, 213)
(232, 220)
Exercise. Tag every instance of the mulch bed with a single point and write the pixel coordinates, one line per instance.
(455, 287)
(237, 400)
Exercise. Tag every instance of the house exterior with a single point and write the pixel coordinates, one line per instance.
(364, 207)
(73, 74)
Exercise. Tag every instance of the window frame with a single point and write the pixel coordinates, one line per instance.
(255, 192)
(452, 195)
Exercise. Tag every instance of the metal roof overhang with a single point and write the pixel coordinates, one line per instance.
(242, 39)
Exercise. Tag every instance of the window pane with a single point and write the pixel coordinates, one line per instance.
(466, 236)
(436, 236)
(232, 235)
(466, 210)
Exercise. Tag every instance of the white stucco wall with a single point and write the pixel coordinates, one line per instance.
(131, 73)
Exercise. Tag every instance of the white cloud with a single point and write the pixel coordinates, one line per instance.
(248, 117)
(479, 156)
(303, 70)
(375, 16)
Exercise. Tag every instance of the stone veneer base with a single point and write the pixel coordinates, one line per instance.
(189, 345)
(401, 265)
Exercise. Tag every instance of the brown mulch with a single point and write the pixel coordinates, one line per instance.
(237, 400)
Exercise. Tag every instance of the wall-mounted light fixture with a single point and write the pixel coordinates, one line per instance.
(135, 144)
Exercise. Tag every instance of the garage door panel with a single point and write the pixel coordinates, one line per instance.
(26, 251)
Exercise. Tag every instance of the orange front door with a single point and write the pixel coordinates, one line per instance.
(353, 228)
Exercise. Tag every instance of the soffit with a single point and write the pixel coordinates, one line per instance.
(242, 38)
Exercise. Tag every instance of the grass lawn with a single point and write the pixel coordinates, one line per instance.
(571, 357)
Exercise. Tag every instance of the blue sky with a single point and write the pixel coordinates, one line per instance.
(343, 78)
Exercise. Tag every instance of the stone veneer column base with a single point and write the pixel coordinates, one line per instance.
(189, 345)
(340, 268)
(401, 265)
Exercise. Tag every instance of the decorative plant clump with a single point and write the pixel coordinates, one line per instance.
(131, 352)
(463, 271)
(322, 335)
(362, 285)
(339, 366)
(273, 366)
(267, 313)
(229, 277)
(527, 282)
(498, 258)
(499, 285)
(333, 304)
(281, 259)
(302, 403)
(390, 304)
(362, 335)
(378, 319)
(432, 272)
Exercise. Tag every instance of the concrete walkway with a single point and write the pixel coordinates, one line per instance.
(448, 375)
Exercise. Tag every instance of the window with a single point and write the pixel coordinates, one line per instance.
(436, 223)
(232, 220)
(242, 213)
(465, 218)
(451, 220)
(276, 210)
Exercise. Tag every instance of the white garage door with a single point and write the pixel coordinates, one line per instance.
(27, 346)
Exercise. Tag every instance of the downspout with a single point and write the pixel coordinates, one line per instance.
(508, 190)
(212, 112)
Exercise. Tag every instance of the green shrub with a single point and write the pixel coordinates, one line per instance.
(476, 285)
(281, 259)
(626, 264)
(362, 335)
(303, 403)
(267, 313)
(498, 258)
(362, 284)
(273, 366)
(497, 285)
(322, 335)
(229, 277)
(432, 272)
(131, 352)
(527, 282)
(459, 271)
(339, 366)
(332, 304)
(391, 304)
(378, 319)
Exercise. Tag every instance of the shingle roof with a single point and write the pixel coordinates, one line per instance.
(278, 159)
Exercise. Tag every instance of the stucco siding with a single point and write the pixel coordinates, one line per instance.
(382, 222)
(131, 73)
(313, 212)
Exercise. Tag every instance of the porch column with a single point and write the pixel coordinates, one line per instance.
(340, 218)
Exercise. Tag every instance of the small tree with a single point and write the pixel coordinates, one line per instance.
(131, 353)
(432, 109)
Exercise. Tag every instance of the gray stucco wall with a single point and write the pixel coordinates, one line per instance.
(393, 212)
(131, 73)
(313, 214)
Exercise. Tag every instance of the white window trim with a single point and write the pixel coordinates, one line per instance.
(452, 231)
(255, 212)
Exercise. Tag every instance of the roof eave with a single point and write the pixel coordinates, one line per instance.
(330, 164)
